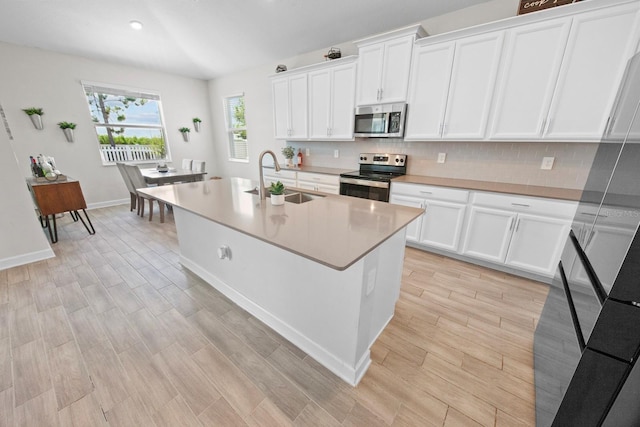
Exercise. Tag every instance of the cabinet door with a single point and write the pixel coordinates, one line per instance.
(319, 104)
(370, 59)
(343, 86)
(395, 70)
(428, 90)
(529, 71)
(600, 44)
(280, 91)
(537, 243)
(298, 107)
(413, 229)
(473, 78)
(442, 224)
(488, 233)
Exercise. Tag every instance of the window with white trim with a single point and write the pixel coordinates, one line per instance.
(128, 124)
(236, 127)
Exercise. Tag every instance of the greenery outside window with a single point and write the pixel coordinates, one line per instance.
(236, 127)
(128, 124)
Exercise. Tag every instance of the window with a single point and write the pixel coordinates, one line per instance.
(236, 127)
(128, 123)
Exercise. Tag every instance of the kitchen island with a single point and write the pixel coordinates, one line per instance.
(325, 273)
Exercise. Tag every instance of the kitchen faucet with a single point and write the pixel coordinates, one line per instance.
(261, 188)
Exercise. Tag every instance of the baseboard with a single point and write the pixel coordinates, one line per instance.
(16, 261)
(108, 203)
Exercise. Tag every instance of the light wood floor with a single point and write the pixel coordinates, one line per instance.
(113, 331)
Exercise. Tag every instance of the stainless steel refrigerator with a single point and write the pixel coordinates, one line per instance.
(588, 337)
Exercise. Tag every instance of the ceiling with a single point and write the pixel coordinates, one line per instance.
(205, 38)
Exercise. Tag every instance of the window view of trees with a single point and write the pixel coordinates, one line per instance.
(128, 124)
(236, 127)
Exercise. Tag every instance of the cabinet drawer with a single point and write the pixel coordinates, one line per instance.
(515, 203)
(283, 173)
(430, 192)
(319, 178)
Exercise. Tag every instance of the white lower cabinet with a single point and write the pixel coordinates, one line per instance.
(324, 183)
(525, 233)
(443, 220)
(287, 177)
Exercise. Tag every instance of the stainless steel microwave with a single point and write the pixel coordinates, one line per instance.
(380, 121)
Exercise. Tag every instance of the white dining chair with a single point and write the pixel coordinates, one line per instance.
(137, 180)
(132, 190)
(198, 166)
(186, 163)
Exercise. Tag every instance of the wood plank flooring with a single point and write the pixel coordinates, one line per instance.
(114, 331)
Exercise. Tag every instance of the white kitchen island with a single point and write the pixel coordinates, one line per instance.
(325, 274)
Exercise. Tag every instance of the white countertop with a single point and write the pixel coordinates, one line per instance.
(334, 230)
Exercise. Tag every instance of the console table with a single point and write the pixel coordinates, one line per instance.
(55, 197)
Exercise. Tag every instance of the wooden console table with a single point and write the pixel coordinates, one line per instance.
(55, 197)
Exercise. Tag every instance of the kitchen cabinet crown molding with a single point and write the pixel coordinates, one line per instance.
(415, 29)
(319, 66)
(516, 21)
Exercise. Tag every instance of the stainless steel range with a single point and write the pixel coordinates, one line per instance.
(373, 180)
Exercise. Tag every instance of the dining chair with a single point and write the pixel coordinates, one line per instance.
(137, 180)
(132, 190)
(198, 166)
(186, 163)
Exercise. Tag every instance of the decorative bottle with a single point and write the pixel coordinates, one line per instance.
(299, 157)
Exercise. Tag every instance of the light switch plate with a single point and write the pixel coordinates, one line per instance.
(442, 157)
(336, 153)
(547, 163)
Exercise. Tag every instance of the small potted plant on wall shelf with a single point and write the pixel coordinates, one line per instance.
(277, 193)
(67, 128)
(288, 154)
(185, 133)
(196, 124)
(35, 114)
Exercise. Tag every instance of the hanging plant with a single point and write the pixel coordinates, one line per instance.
(67, 128)
(185, 133)
(196, 124)
(35, 114)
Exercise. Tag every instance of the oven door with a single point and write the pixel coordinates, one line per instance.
(364, 189)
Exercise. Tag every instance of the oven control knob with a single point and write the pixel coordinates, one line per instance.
(397, 160)
(363, 158)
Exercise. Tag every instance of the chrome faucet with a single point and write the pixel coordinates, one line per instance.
(261, 188)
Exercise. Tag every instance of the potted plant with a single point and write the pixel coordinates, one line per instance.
(67, 128)
(288, 154)
(185, 133)
(35, 114)
(196, 124)
(277, 193)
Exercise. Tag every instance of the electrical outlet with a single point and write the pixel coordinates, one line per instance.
(547, 163)
(442, 157)
(336, 153)
(308, 153)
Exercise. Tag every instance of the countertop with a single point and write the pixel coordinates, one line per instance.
(335, 231)
(496, 187)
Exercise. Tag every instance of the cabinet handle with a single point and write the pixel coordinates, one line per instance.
(381, 90)
(511, 224)
(517, 224)
(426, 192)
(524, 205)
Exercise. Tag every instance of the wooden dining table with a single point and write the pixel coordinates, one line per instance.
(153, 176)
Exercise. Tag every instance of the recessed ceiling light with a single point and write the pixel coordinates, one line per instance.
(136, 25)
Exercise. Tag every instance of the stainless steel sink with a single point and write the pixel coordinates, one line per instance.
(291, 196)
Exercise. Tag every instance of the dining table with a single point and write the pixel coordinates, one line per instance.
(172, 176)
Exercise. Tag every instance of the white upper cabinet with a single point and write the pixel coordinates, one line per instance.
(384, 62)
(452, 87)
(331, 102)
(290, 106)
(473, 77)
(430, 74)
(600, 44)
(530, 66)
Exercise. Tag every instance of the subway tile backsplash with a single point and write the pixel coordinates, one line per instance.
(511, 162)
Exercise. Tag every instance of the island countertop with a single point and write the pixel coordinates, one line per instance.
(335, 231)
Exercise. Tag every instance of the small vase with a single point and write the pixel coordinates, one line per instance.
(36, 119)
(68, 133)
(162, 167)
(196, 126)
(289, 163)
(185, 136)
(277, 199)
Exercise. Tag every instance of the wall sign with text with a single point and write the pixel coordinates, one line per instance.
(527, 6)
